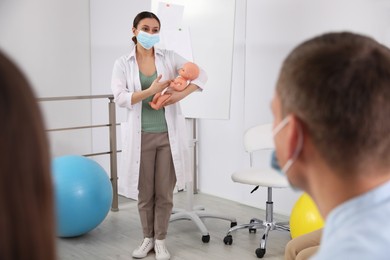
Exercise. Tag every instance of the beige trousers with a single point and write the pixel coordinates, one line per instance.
(157, 181)
(304, 246)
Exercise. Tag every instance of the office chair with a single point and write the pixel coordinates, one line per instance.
(198, 212)
(255, 139)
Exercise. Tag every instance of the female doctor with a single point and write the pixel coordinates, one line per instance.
(155, 150)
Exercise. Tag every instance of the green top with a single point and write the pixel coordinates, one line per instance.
(153, 121)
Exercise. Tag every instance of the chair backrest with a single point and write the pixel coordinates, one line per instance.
(259, 137)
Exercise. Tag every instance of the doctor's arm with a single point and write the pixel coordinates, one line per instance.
(124, 95)
(176, 96)
(157, 86)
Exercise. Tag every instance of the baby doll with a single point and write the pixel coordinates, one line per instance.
(188, 72)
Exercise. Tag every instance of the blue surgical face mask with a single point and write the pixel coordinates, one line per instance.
(298, 148)
(147, 40)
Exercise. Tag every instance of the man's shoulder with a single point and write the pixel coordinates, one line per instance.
(356, 246)
(359, 231)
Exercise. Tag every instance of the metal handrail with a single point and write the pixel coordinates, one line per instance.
(75, 97)
(112, 138)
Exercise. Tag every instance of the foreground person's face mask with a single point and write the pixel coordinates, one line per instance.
(298, 148)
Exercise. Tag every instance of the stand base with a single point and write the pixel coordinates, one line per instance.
(197, 213)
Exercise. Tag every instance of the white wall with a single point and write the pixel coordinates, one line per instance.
(266, 30)
(50, 42)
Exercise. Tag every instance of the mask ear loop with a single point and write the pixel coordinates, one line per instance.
(279, 127)
(296, 153)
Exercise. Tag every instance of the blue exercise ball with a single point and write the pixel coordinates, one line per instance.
(83, 194)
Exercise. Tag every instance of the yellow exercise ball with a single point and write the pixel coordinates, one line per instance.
(305, 217)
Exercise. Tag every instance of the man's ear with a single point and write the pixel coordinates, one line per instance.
(293, 136)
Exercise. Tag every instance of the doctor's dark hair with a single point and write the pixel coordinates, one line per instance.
(338, 84)
(142, 16)
(27, 221)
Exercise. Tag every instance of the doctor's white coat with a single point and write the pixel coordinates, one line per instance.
(125, 81)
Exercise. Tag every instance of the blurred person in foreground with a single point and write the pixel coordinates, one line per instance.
(27, 224)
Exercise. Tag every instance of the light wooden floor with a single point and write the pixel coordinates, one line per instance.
(120, 233)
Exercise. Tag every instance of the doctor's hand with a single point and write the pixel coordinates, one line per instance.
(175, 96)
(158, 86)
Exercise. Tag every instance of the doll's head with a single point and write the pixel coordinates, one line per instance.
(189, 71)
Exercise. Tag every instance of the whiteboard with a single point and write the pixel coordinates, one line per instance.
(211, 29)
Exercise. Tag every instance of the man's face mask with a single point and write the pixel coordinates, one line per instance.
(298, 148)
(147, 40)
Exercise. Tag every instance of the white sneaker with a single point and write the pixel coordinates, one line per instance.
(143, 250)
(161, 250)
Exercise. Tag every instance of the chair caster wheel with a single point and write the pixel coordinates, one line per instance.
(228, 240)
(260, 252)
(206, 239)
(233, 224)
